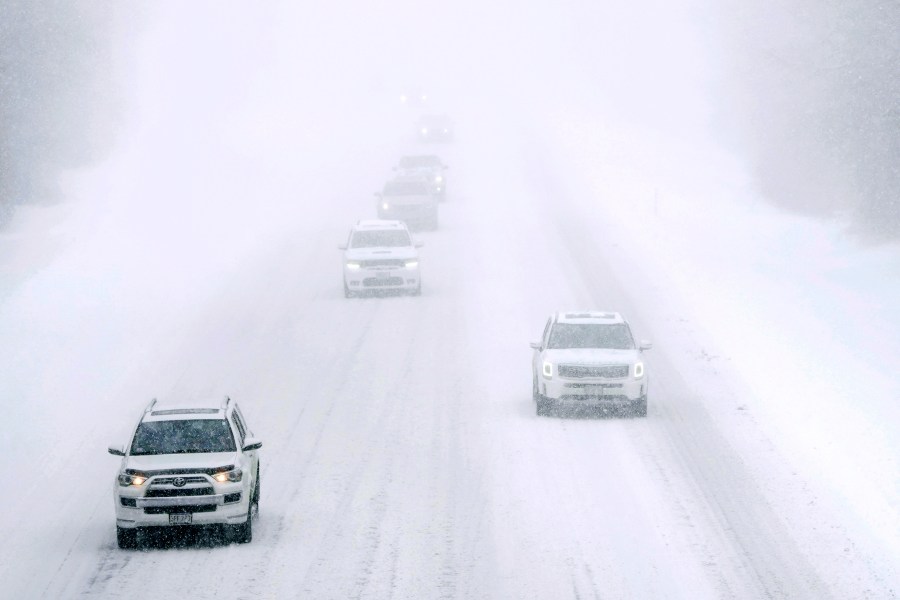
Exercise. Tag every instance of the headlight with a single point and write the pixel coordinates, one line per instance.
(352, 264)
(131, 478)
(638, 370)
(548, 369)
(424, 131)
(412, 264)
(233, 475)
(385, 206)
(439, 178)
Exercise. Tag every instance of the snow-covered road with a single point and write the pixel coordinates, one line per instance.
(402, 455)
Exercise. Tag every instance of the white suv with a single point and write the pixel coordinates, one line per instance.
(589, 360)
(187, 465)
(380, 255)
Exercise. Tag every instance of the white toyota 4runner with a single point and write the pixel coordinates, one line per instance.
(589, 360)
(193, 464)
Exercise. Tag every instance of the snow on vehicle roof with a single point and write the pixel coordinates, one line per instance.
(202, 408)
(589, 316)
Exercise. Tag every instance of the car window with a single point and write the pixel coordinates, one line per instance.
(386, 238)
(183, 437)
(546, 331)
(242, 431)
(589, 335)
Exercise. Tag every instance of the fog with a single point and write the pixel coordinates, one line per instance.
(176, 179)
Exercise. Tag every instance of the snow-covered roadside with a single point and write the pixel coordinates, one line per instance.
(797, 323)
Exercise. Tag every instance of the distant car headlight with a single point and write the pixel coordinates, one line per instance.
(424, 131)
(439, 178)
(548, 369)
(412, 263)
(638, 370)
(403, 98)
(385, 206)
(233, 476)
(352, 264)
(131, 478)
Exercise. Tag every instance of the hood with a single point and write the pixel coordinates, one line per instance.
(400, 252)
(592, 356)
(206, 460)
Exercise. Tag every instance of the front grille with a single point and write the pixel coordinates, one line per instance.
(165, 510)
(171, 480)
(386, 282)
(174, 492)
(396, 263)
(593, 371)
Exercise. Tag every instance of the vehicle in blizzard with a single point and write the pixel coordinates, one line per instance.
(414, 99)
(589, 360)
(435, 128)
(381, 255)
(409, 199)
(194, 464)
(427, 166)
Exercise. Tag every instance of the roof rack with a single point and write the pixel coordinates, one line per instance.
(150, 406)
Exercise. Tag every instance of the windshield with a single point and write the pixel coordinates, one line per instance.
(388, 238)
(615, 336)
(406, 188)
(187, 436)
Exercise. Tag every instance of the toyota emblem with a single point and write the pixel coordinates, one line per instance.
(179, 481)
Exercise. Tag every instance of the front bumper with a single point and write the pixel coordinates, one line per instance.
(227, 505)
(363, 279)
(412, 215)
(594, 392)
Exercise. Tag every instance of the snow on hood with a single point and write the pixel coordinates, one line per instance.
(205, 460)
(592, 356)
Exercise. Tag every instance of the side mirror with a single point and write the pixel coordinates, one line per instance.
(535, 345)
(645, 345)
(117, 449)
(342, 247)
(251, 443)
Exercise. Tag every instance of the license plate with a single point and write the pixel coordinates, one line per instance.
(383, 275)
(180, 518)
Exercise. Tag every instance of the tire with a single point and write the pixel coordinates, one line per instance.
(243, 533)
(417, 291)
(256, 490)
(543, 407)
(347, 292)
(639, 408)
(126, 538)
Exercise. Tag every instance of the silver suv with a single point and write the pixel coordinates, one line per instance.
(410, 199)
(194, 464)
(589, 360)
